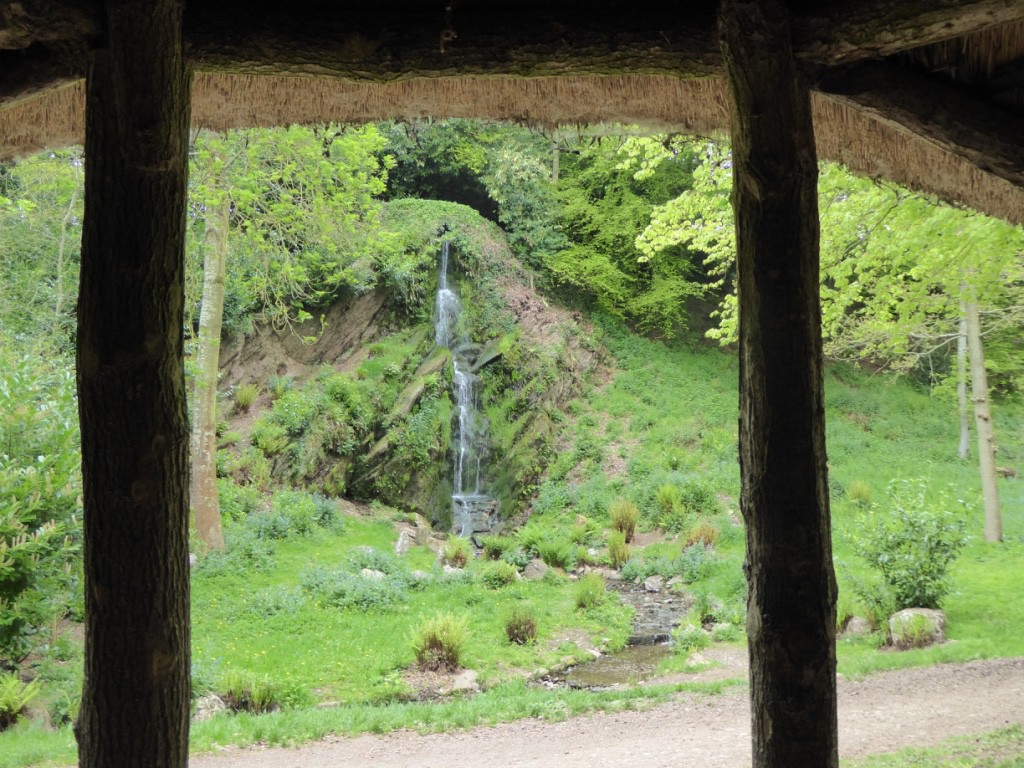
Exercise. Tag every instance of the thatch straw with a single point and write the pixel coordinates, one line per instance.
(864, 143)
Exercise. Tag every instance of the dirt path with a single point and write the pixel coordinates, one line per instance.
(885, 712)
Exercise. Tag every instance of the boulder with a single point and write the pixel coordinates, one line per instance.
(653, 584)
(406, 540)
(535, 569)
(917, 627)
(207, 706)
(372, 575)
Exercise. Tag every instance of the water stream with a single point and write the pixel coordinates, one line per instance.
(473, 510)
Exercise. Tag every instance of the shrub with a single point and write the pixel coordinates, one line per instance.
(703, 532)
(269, 437)
(589, 592)
(624, 515)
(496, 546)
(699, 498)
(557, 553)
(278, 599)
(517, 556)
(520, 625)
(339, 589)
(245, 395)
(687, 638)
(244, 693)
(911, 547)
(245, 552)
(618, 549)
(15, 696)
(298, 508)
(456, 552)
(270, 525)
(439, 642)
(707, 609)
(668, 499)
(278, 386)
(693, 563)
(496, 575)
(726, 633)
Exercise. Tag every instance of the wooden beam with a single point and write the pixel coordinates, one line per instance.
(791, 608)
(950, 119)
(867, 29)
(386, 41)
(131, 394)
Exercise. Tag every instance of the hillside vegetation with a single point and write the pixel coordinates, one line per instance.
(341, 602)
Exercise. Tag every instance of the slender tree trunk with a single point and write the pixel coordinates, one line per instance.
(131, 391)
(964, 449)
(983, 423)
(792, 592)
(203, 491)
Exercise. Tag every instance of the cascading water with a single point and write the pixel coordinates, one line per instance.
(472, 509)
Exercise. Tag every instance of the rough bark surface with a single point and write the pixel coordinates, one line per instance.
(131, 391)
(203, 488)
(963, 449)
(983, 423)
(784, 498)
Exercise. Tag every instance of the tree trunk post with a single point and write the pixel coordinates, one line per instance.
(983, 421)
(791, 581)
(131, 393)
(964, 447)
(203, 490)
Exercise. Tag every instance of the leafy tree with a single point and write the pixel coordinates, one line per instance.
(605, 205)
(40, 242)
(40, 504)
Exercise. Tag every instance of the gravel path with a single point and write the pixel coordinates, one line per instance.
(884, 712)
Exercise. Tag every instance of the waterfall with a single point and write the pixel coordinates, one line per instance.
(472, 509)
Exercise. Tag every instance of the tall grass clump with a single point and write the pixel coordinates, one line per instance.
(589, 592)
(456, 552)
(245, 395)
(520, 625)
(624, 515)
(439, 642)
(618, 549)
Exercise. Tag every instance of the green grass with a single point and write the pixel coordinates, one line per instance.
(999, 749)
(506, 702)
(352, 656)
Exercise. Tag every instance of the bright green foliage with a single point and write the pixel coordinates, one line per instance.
(604, 207)
(14, 697)
(40, 486)
(439, 641)
(495, 575)
(40, 242)
(247, 693)
(911, 545)
(245, 395)
(303, 216)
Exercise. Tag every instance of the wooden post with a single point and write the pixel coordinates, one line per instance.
(131, 392)
(784, 500)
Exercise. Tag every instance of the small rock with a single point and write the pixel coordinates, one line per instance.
(207, 706)
(405, 542)
(917, 627)
(535, 569)
(594, 652)
(192, 559)
(450, 569)
(653, 583)
(372, 575)
(420, 576)
(857, 626)
(465, 681)
(696, 660)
